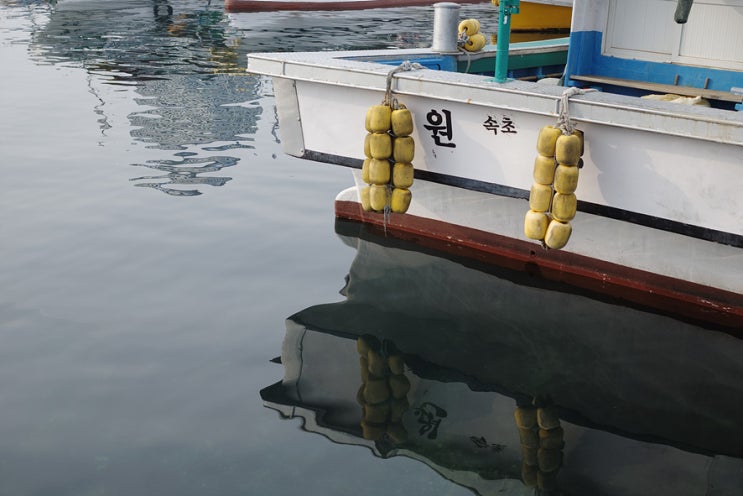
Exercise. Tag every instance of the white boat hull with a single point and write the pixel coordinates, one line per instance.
(660, 214)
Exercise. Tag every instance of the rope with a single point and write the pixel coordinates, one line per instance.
(392, 102)
(563, 117)
(462, 40)
(387, 210)
(404, 67)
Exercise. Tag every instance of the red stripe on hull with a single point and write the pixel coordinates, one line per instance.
(254, 6)
(669, 295)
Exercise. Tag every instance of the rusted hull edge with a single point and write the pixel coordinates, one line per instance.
(676, 297)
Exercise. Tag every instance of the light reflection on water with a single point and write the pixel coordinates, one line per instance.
(182, 61)
(137, 327)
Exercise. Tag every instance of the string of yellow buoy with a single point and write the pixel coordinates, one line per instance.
(389, 150)
(469, 36)
(388, 168)
(552, 200)
(383, 394)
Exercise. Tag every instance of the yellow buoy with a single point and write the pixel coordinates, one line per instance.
(376, 363)
(548, 418)
(367, 145)
(529, 474)
(469, 27)
(544, 169)
(376, 414)
(365, 199)
(376, 391)
(379, 119)
(380, 145)
(564, 206)
(568, 149)
(529, 438)
(402, 175)
(566, 179)
(582, 139)
(379, 171)
(551, 439)
(364, 368)
(540, 197)
(529, 456)
(549, 459)
(399, 386)
(403, 149)
(402, 122)
(535, 224)
(475, 43)
(372, 432)
(547, 139)
(396, 364)
(360, 395)
(379, 197)
(558, 234)
(400, 201)
(363, 345)
(365, 171)
(526, 418)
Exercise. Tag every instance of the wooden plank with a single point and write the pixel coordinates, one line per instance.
(663, 88)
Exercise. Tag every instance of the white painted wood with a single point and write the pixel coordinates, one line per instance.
(633, 29)
(713, 36)
(644, 29)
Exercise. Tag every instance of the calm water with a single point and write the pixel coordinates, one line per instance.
(154, 240)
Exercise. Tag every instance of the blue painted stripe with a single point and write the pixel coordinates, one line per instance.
(585, 58)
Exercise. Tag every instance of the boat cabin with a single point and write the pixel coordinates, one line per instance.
(640, 47)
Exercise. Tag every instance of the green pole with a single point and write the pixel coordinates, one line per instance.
(505, 10)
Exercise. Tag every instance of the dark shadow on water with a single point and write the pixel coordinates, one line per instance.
(503, 382)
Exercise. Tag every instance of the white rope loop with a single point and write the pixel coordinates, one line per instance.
(563, 117)
(404, 67)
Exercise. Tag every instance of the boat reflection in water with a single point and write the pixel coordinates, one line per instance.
(505, 383)
(171, 65)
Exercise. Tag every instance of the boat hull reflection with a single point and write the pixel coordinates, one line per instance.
(639, 400)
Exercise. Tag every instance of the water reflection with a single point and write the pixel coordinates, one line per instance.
(185, 172)
(181, 63)
(185, 64)
(504, 384)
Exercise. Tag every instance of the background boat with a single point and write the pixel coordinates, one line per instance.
(536, 15)
(543, 15)
(274, 5)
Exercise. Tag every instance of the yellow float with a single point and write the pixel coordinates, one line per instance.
(389, 150)
(552, 200)
(470, 37)
(475, 43)
(379, 171)
(469, 27)
(401, 121)
(379, 197)
(383, 392)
